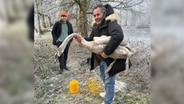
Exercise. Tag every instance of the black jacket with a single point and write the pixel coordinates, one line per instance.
(109, 27)
(30, 22)
(56, 30)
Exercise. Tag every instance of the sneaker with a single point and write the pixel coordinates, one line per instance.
(102, 94)
(66, 68)
(103, 103)
(60, 71)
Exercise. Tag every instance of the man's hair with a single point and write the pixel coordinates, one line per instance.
(103, 9)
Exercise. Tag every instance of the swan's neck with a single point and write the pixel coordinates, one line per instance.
(62, 47)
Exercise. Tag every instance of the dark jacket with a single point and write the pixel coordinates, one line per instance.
(56, 30)
(109, 27)
(30, 22)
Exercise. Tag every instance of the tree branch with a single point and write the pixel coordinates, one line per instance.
(127, 4)
(78, 2)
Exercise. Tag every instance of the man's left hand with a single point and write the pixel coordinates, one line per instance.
(103, 55)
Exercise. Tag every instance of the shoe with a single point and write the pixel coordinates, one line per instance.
(103, 103)
(60, 71)
(102, 94)
(66, 68)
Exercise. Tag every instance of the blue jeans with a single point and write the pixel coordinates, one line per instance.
(109, 82)
(63, 57)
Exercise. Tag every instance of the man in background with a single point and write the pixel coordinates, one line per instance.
(60, 31)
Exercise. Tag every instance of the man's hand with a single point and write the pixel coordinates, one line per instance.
(78, 38)
(103, 55)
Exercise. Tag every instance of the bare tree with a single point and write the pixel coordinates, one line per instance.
(80, 12)
(37, 3)
(133, 16)
(83, 7)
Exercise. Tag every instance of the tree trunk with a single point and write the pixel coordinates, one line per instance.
(50, 23)
(38, 17)
(39, 24)
(43, 20)
(126, 19)
(83, 17)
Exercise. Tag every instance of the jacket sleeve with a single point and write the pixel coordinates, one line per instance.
(54, 33)
(117, 36)
(90, 38)
(71, 28)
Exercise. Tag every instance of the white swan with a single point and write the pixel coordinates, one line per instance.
(123, 51)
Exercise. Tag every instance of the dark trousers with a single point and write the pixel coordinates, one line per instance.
(63, 57)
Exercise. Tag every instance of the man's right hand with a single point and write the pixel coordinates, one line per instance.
(78, 38)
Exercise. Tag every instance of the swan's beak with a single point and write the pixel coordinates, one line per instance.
(56, 57)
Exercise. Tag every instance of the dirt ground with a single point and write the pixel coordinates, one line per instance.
(53, 88)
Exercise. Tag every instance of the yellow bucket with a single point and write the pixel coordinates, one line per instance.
(74, 86)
